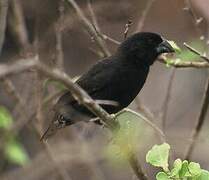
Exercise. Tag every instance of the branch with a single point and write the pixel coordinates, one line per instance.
(196, 20)
(18, 27)
(200, 121)
(90, 28)
(17, 67)
(127, 27)
(203, 56)
(166, 102)
(184, 64)
(144, 15)
(58, 35)
(77, 92)
(3, 17)
(81, 95)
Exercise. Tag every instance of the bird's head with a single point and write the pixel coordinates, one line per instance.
(144, 47)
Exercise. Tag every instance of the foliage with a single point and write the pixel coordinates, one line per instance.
(13, 150)
(126, 139)
(15, 153)
(181, 170)
(184, 54)
(5, 118)
(175, 46)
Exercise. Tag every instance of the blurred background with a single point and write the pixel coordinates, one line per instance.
(54, 30)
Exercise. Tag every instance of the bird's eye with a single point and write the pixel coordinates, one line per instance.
(60, 118)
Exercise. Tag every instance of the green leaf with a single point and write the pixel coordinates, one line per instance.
(186, 54)
(158, 156)
(162, 176)
(15, 152)
(204, 175)
(131, 129)
(127, 139)
(5, 118)
(175, 46)
(177, 165)
(194, 169)
(184, 169)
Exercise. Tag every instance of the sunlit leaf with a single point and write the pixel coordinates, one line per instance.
(5, 118)
(204, 175)
(158, 156)
(194, 169)
(177, 165)
(187, 55)
(184, 168)
(175, 46)
(127, 139)
(15, 152)
(162, 176)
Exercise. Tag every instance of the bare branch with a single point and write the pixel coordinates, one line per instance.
(184, 64)
(196, 20)
(166, 102)
(200, 121)
(3, 17)
(152, 125)
(77, 92)
(89, 27)
(58, 35)
(132, 159)
(17, 25)
(19, 66)
(127, 27)
(144, 15)
(11, 90)
(204, 57)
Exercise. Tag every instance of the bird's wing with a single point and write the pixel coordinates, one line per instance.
(96, 78)
(92, 81)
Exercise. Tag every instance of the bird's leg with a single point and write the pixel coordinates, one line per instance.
(98, 121)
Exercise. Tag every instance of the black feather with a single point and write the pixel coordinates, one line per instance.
(118, 78)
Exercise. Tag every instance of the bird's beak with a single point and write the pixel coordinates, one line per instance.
(165, 47)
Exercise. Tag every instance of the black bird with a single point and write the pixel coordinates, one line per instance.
(117, 78)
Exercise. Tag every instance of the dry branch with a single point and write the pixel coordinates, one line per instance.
(90, 28)
(3, 17)
(204, 57)
(78, 93)
(200, 121)
(144, 15)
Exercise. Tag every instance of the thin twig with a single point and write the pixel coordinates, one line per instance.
(3, 17)
(105, 37)
(151, 124)
(18, 27)
(184, 64)
(144, 15)
(166, 102)
(200, 121)
(127, 27)
(62, 171)
(195, 18)
(203, 56)
(89, 27)
(93, 16)
(132, 159)
(96, 25)
(143, 109)
(10, 88)
(58, 35)
(77, 92)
